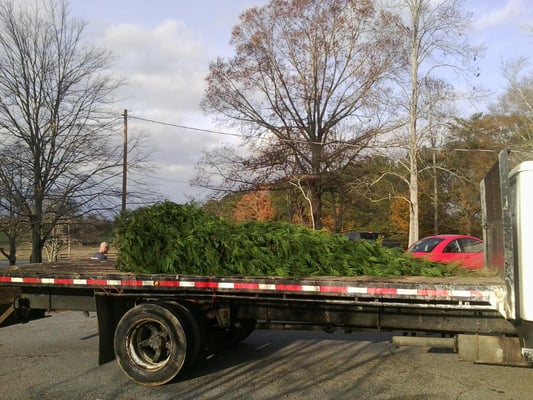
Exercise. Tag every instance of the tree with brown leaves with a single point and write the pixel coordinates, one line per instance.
(307, 78)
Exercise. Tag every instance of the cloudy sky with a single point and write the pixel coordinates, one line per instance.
(162, 49)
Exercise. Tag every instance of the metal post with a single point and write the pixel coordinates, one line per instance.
(125, 161)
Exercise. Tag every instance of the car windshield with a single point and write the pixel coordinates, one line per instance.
(425, 245)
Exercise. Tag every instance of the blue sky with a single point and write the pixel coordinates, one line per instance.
(505, 27)
(162, 49)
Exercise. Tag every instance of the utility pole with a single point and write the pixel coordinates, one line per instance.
(125, 161)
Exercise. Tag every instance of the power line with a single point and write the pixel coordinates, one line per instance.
(160, 178)
(240, 135)
(187, 127)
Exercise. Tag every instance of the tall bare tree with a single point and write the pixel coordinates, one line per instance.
(55, 125)
(517, 101)
(301, 68)
(435, 44)
(12, 224)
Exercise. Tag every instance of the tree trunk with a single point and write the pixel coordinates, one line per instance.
(36, 242)
(413, 134)
(12, 254)
(316, 184)
(413, 201)
(435, 196)
(316, 199)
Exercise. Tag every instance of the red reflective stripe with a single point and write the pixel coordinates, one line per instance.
(203, 284)
(334, 289)
(99, 282)
(169, 283)
(237, 286)
(64, 281)
(382, 290)
(246, 286)
(31, 280)
(131, 283)
(433, 292)
(293, 288)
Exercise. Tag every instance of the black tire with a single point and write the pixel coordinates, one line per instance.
(221, 338)
(151, 344)
(196, 330)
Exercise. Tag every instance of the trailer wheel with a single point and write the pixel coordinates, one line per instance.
(196, 330)
(151, 344)
(221, 338)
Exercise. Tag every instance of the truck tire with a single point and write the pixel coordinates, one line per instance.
(221, 338)
(196, 330)
(151, 343)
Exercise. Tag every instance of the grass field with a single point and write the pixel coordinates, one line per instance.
(66, 254)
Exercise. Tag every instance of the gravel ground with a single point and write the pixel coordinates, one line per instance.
(56, 358)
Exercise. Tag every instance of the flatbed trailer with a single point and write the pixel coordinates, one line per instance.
(226, 309)
(157, 325)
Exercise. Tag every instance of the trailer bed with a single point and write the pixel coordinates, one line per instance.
(104, 279)
(237, 304)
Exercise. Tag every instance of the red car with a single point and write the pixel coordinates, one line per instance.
(462, 249)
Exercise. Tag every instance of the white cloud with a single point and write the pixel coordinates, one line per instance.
(162, 50)
(508, 13)
(164, 68)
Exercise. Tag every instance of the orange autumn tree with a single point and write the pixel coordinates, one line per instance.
(254, 206)
(400, 215)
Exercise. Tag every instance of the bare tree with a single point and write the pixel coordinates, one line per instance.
(56, 131)
(434, 42)
(11, 224)
(517, 100)
(301, 69)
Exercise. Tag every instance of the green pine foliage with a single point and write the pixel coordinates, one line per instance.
(180, 239)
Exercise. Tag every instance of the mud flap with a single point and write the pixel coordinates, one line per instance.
(109, 310)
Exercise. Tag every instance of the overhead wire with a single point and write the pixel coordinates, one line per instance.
(243, 136)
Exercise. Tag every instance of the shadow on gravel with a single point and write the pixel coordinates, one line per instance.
(286, 363)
